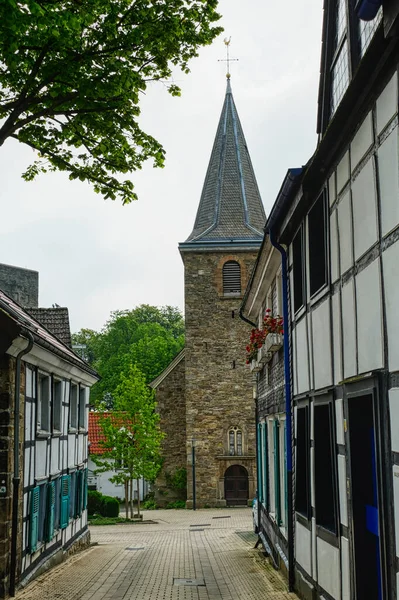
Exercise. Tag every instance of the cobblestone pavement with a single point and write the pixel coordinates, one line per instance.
(212, 549)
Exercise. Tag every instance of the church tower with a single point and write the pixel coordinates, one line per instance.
(218, 259)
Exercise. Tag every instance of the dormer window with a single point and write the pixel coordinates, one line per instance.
(231, 278)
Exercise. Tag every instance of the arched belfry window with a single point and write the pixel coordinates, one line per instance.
(235, 441)
(231, 278)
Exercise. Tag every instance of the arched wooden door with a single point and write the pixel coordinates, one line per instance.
(236, 486)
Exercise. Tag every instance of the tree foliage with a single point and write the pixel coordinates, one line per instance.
(72, 74)
(132, 435)
(147, 336)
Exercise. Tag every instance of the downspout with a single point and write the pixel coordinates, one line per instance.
(16, 479)
(288, 411)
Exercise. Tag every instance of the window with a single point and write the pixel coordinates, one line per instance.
(30, 384)
(235, 442)
(270, 466)
(58, 388)
(231, 278)
(82, 407)
(325, 495)
(43, 403)
(302, 467)
(317, 226)
(340, 62)
(298, 270)
(73, 407)
(366, 31)
(260, 458)
(264, 466)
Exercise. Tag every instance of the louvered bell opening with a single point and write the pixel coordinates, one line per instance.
(231, 278)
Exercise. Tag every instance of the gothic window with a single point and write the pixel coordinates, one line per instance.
(235, 442)
(231, 278)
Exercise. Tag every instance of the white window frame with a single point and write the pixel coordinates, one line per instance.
(272, 494)
(82, 417)
(73, 406)
(57, 426)
(282, 421)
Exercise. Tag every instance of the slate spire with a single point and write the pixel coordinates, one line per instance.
(230, 209)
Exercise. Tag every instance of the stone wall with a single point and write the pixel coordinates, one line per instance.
(21, 284)
(7, 386)
(170, 397)
(218, 382)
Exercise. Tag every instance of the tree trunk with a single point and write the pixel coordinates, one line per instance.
(131, 498)
(138, 497)
(126, 500)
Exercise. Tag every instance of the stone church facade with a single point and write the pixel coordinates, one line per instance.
(216, 397)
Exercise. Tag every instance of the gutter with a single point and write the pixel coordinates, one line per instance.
(288, 412)
(16, 478)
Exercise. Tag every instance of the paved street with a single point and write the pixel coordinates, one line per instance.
(211, 549)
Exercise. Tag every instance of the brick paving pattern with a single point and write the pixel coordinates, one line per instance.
(144, 562)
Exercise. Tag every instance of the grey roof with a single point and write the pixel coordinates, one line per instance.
(230, 208)
(55, 320)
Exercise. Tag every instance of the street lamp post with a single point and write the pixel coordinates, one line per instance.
(193, 471)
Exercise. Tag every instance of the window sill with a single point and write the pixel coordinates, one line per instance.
(56, 433)
(319, 294)
(82, 430)
(42, 434)
(328, 536)
(72, 430)
(302, 520)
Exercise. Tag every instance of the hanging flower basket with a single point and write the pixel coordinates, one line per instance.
(265, 341)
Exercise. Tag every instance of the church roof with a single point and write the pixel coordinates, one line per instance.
(230, 208)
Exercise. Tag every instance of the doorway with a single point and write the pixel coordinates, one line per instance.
(367, 579)
(236, 486)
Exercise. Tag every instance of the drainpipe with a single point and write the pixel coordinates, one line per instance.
(16, 479)
(288, 411)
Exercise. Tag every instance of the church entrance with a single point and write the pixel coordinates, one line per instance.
(236, 486)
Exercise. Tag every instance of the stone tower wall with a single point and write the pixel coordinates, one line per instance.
(20, 284)
(218, 382)
(171, 406)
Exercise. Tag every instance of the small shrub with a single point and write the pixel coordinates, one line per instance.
(109, 507)
(149, 504)
(176, 504)
(94, 501)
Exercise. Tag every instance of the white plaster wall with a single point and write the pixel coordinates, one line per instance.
(314, 553)
(348, 328)
(28, 420)
(71, 450)
(80, 442)
(310, 353)
(328, 568)
(332, 189)
(387, 103)
(343, 505)
(111, 489)
(337, 338)
(364, 209)
(390, 263)
(339, 416)
(334, 246)
(393, 395)
(345, 232)
(388, 170)
(55, 455)
(343, 172)
(362, 141)
(369, 318)
(321, 347)
(303, 547)
(345, 569)
(41, 458)
(302, 356)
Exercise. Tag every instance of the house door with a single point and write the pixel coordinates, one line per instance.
(236, 486)
(367, 581)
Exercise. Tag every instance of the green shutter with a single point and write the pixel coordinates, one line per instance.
(259, 453)
(65, 489)
(50, 511)
(85, 489)
(265, 465)
(277, 498)
(34, 518)
(80, 493)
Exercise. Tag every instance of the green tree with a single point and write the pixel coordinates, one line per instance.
(147, 336)
(132, 435)
(73, 72)
(84, 344)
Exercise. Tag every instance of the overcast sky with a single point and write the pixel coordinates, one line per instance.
(95, 256)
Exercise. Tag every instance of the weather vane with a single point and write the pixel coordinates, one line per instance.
(227, 60)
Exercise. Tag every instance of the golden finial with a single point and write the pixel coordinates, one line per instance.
(227, 59)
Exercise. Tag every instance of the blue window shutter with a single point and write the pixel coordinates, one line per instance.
(265, 467)
(277, 498)
(34, 518)
(259, 453)
(50, 513)
(85, 489)
(65, 489)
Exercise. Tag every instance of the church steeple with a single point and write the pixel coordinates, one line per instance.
(230, 211)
